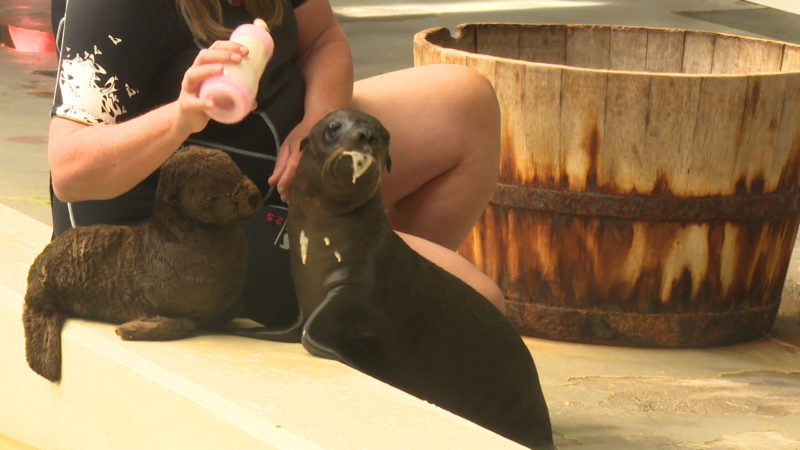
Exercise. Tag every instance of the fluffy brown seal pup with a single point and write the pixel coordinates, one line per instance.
(378, 306)
(183, 269)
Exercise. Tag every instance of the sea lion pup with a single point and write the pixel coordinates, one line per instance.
(185, 268)
(378, 306)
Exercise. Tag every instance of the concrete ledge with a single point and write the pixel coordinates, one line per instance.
(784, 5)
(210, 391)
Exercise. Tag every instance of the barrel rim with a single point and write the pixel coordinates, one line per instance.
(666, 207)
(421, 39)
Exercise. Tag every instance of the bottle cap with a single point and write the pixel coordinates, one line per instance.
(256, 31)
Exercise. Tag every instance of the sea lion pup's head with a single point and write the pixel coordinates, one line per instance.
(206, 186)
(344, 155)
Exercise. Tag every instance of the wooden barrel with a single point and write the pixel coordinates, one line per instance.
(647, 191)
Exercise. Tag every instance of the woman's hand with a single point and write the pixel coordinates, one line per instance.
(288, 157)
(208, 63)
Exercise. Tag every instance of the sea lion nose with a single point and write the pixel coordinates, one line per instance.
(364, 135)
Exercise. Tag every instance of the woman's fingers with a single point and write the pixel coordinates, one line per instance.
(285, 168)
(280, 165)
(284, 185)
(210, 62)
(218, 56)
(288, 157)
(195, 76)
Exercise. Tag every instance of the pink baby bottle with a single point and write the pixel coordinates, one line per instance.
(234, 92)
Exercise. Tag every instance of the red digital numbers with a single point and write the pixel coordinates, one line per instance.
(274, 218)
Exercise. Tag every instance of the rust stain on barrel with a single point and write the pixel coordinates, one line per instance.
(592, 146)
(576, 266)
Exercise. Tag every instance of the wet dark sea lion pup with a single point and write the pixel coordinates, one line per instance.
(185, 268)
(376, 305)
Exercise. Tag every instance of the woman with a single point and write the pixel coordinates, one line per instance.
(127, 98)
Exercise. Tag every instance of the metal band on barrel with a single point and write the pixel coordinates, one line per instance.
(650, 207)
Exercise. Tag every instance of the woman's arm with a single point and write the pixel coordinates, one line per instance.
(323, 56)
(95, 162)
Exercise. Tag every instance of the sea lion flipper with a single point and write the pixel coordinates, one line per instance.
(345, 330)
(319, 338)
(43, 341)
(291, 333)
(156, 328)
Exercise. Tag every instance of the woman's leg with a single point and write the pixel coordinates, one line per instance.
(445, 128)
(445, 135)
(458, 266)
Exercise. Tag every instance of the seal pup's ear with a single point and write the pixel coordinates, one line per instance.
(171, 196)
(388, 163)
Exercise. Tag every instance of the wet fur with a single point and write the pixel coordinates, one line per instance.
(184, 268)
(391, 313)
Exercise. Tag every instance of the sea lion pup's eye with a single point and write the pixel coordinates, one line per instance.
(331, 130)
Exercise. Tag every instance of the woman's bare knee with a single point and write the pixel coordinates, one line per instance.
(458, 266)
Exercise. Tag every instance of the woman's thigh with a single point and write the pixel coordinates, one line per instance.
(431, 113)
(444, 126)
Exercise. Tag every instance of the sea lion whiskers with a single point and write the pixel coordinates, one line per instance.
(334, 156)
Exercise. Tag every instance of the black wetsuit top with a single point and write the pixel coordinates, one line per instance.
(120, 59)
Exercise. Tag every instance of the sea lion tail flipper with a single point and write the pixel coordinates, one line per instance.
(43, 340)
(156, 328)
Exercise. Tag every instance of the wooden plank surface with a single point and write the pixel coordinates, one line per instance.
(665, 51)
(763, 109)
(498, 40)
(628, 49)
(785, 159)
(588, 46)
(698, 56)
(624, 164)
(582, 122)
(544, 44)
(791, 58)
(672, 114)
(516, 165)
(464, 38)
(735, 55)
(721, 106)
(542, 129)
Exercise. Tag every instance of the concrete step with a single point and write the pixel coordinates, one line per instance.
(209, 391)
